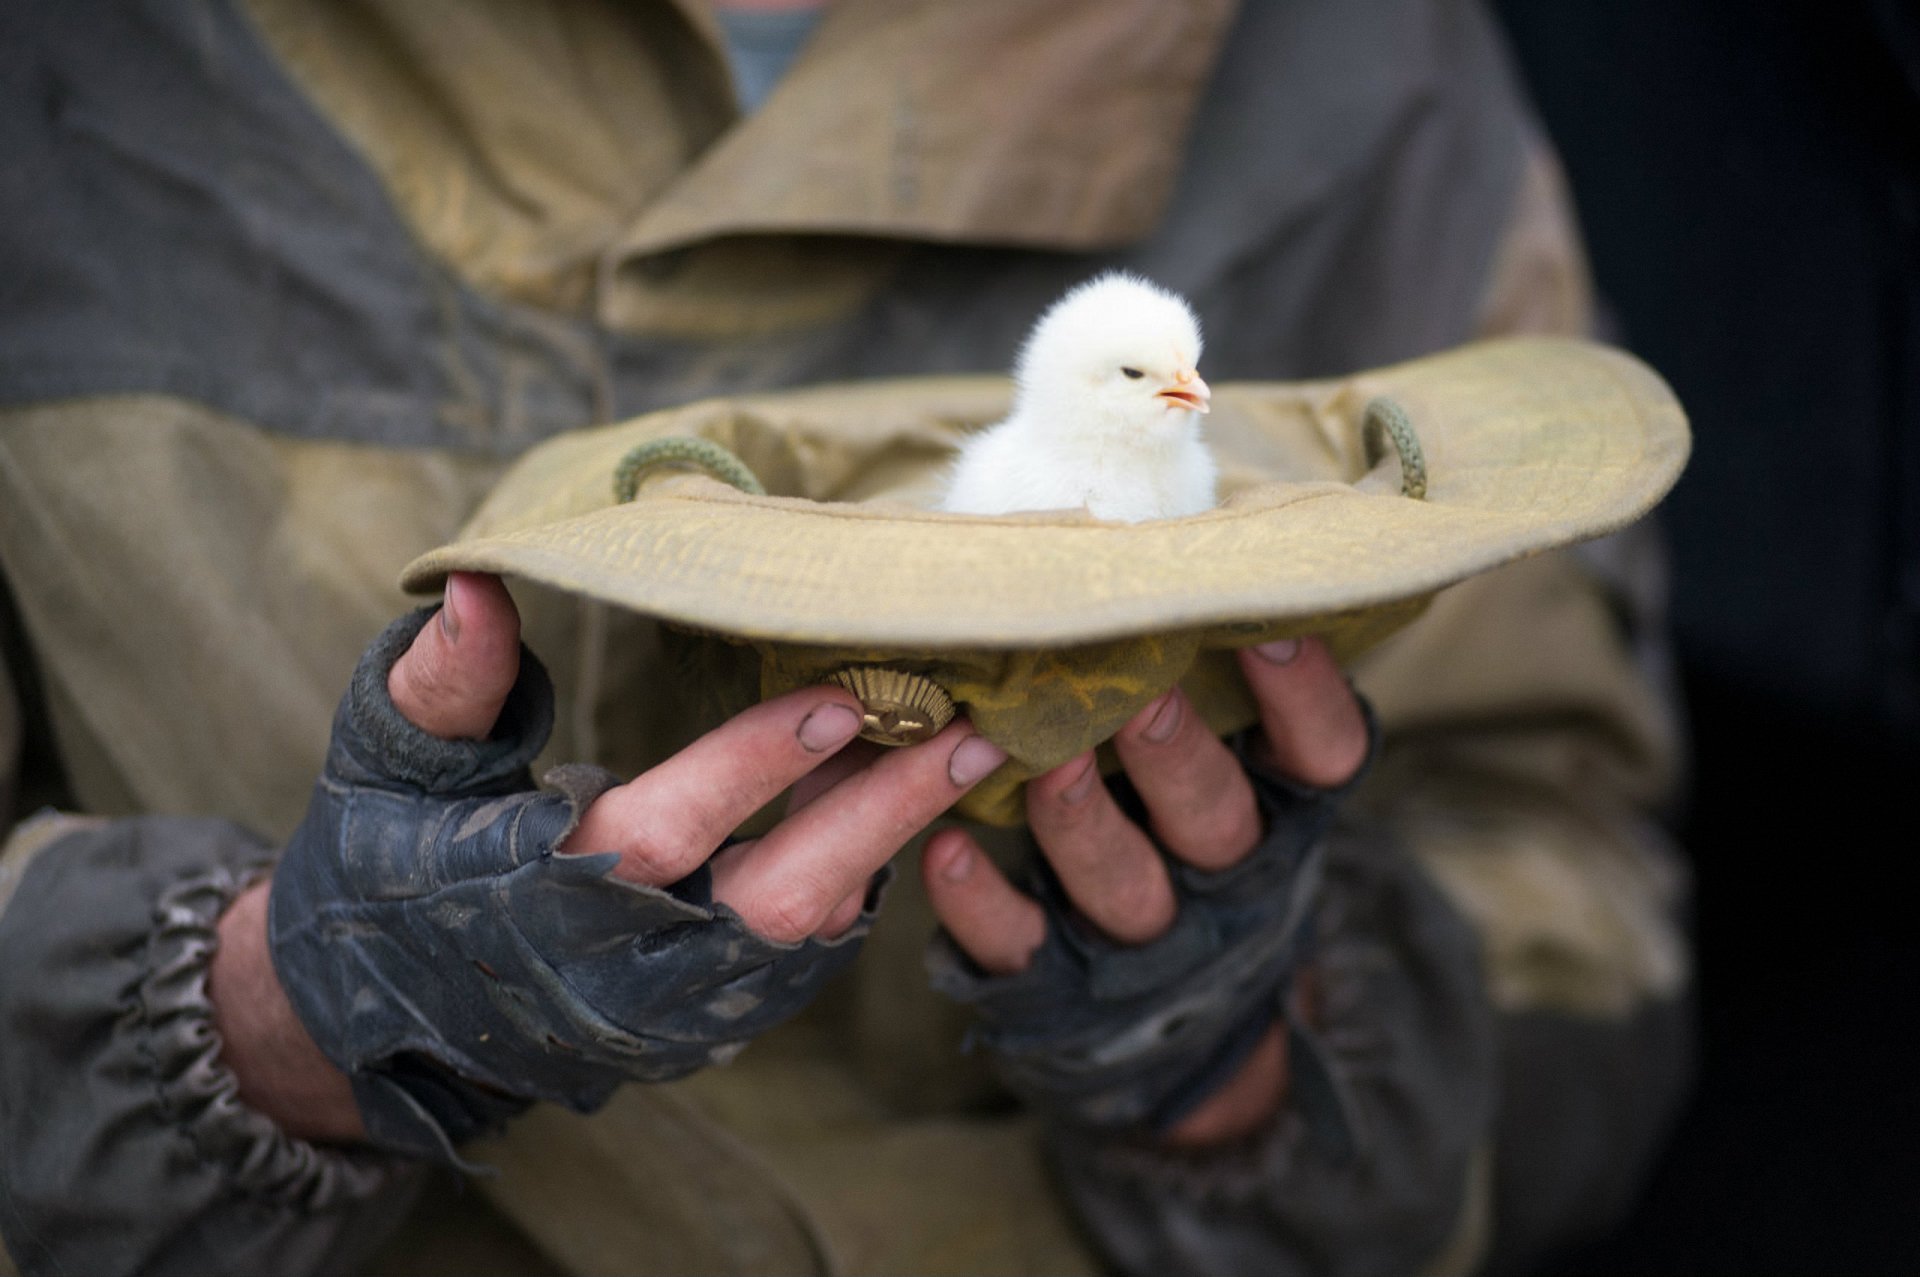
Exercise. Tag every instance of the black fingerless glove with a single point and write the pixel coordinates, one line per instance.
(456, 968)
(1117, 1036)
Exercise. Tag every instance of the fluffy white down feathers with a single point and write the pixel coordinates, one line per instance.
(1106, 414)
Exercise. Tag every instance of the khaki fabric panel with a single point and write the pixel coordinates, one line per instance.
(197, 592)
(453, 1229)
(546, 150)
(730, 290)
(645, 1186)
(904, 1042)
(516, 138)
(860, 1132)
(250, 572)
(524, 203)
(1524, 752)
(1077, 146)
(650, 1185)
(897, 1140)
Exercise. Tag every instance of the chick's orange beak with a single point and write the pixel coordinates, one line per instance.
(1187, 391)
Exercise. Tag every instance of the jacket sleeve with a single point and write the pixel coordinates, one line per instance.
(123, 1144)
(1502, 977)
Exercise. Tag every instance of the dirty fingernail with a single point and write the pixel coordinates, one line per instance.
(1165, 721)
(828, 727)
(958, 865)
(1082, 786)
(449, 615)
(972, 759)
(1278, 652)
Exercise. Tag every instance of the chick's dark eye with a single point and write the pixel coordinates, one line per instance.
(1132, 374)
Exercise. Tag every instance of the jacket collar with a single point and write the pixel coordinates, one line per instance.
(1052, 125)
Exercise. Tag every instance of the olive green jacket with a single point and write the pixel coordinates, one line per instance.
(294, 280)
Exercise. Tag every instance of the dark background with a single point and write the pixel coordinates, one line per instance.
(1748, 178)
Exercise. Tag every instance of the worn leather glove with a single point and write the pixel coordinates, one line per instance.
(456, 968)
(1114, 1036)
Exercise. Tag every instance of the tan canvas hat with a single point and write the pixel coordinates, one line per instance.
(1345, 506)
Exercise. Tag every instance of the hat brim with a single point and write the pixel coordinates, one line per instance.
(1530, 445)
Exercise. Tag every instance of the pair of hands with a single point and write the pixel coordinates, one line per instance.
(852, 809)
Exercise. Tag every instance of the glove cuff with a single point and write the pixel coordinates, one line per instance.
(1134, 1036)
(375, 744)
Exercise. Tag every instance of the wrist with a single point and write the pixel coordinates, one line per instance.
(1244, 1104)
(281, 1072)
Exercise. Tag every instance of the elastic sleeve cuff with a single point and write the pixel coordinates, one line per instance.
(124, 1145)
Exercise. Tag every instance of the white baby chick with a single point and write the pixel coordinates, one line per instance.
(1106, 413)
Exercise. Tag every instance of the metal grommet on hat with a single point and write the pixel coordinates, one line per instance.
(901, 708)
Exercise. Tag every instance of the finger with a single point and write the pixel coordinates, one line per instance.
(1199, 802)
(455, 677)
(843, 915)
(994, 924)
(855, 757)
(858, 755)
(667, 821)
(793, 880)
(1107, 865)
(1312, 724)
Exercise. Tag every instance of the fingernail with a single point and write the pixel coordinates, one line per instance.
(449, 615)
(1082, 786)
(1165, 721)
(958, 866)
(828, 727)
(1278, 652)
(972, 759)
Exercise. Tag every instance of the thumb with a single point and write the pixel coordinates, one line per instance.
(456, 676)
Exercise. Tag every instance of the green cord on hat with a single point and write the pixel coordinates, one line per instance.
(1386, 416)
(682, 450)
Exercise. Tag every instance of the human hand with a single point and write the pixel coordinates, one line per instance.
(1141, 981)
(552, 945)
